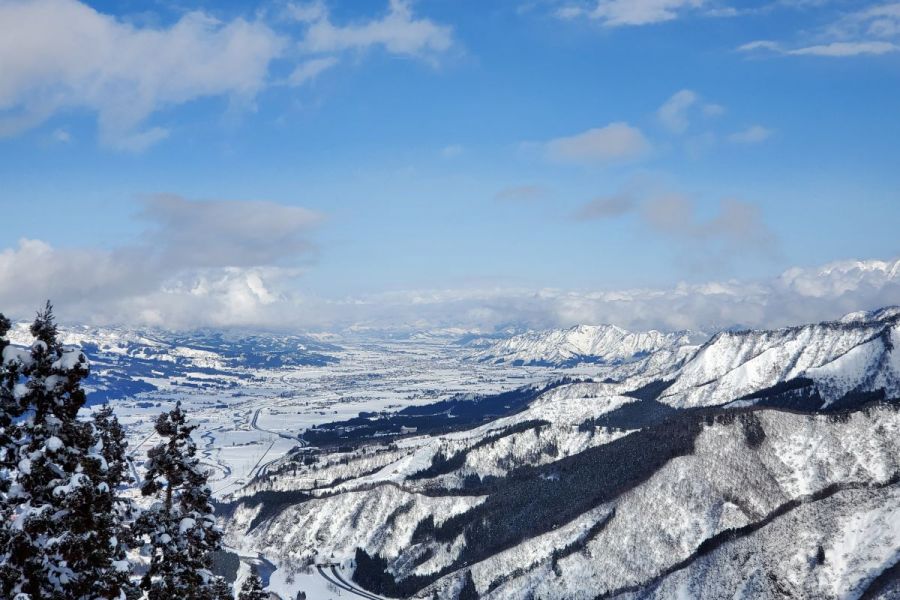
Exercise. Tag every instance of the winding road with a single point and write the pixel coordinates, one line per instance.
(262, 468)
(338, 581)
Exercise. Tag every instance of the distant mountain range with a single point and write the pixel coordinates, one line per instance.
(760, 464)
(602, 344)
(126, 361)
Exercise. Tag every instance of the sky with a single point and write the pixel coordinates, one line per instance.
(449, 163)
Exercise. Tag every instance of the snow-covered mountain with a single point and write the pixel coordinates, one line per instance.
(762, 464)
(830, 361)
(581, 344)
(126, 361)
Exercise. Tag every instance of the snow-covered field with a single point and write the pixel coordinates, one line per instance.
(251, 417)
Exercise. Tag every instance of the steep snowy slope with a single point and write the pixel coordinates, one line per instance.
(580, 344)
(842, 546)
(853, 355)
(762, 464)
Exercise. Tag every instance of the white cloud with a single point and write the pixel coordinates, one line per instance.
(61, 54)
(800, 295)
(846, 49)
(398, 32)
(613, 143)
(212, 262)
(616, 13)
(110, 287)
(871, 31)
(754, 134)
(673, 113)
(760, 45)
(312, 68)
(306, 12)
(831, 49)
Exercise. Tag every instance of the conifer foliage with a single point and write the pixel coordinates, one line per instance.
(180, 525)
(62, 536)
(252, 588)
(468, 591)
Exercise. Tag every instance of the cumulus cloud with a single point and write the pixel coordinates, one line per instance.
(675, 112)
(62, 55)
(799, 295)
(125, 287)
(198, 261)
(616, 142)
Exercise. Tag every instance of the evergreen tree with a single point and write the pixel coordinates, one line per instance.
(113, 447)
(180, 525)
(116, 513)
(9, 410)
(222, 590)
(62, 539)
(468, 591)
(252, 588)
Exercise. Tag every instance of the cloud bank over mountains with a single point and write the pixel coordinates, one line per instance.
(233, 264)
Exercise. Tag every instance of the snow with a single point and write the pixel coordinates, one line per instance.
(600, 343)
(186, 524)
(249, 418)
(16, 355)
(75, 481)
(838, 356)
(71, 358)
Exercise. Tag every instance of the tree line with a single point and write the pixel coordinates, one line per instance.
(67, 530)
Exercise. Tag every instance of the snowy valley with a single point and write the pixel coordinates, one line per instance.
(753, 464)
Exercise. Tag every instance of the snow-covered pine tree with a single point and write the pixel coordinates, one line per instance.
(116, 512)
(222, 590)
(113, 447)
(9, 406)
(9, 410)
(180, 525)
(252, 588)
(63, 535)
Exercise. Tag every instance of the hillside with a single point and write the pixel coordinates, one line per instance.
(661, 478)
(600, 344)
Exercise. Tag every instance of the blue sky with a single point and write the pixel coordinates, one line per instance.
(453, 144)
